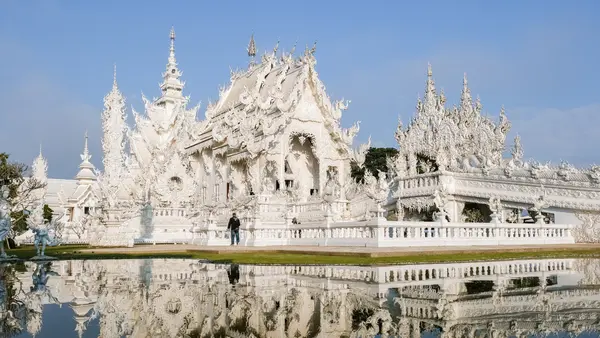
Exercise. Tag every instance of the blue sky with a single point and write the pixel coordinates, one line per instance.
(540, 59)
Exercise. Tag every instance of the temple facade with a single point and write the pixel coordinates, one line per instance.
(273, 150)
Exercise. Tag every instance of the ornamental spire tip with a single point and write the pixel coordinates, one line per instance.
(115, 75)
(251, 47)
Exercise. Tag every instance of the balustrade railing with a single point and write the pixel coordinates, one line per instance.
(423, 183)
(398, 234)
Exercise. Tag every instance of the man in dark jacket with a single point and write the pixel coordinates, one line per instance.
(234, 227)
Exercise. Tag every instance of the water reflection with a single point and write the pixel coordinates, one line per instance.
(187, 298)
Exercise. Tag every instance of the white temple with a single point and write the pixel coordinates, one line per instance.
(272, 149)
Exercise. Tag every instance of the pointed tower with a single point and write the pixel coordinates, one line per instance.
(39, 169)
(252, 50)
(114, 129)
(429, 100)
(86, 173)
(466, 109)
(172, 86)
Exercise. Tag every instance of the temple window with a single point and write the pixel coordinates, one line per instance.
(277, 186)
(289, 184)
(228, 191)
(314, 192)
(71, 212)
(86, 210)
(287, 168)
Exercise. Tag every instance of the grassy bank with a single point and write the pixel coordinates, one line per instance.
(304, 258)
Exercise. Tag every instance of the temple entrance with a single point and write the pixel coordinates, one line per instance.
(301, 167)
(476, 213)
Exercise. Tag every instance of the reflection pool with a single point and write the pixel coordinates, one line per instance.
(191, 298)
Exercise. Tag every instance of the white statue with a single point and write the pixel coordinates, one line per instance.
(5, 220)
(538, 205)
(42, 239)
(331, 191)
(377, 189)
(440, 200)
(496, 208)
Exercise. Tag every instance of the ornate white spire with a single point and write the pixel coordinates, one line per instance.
(466, 101)
(429, 99)
(251, 47)
(172, 86)
(39, 169)
(114, 128)
(86, 168)
(115, 87)
(252, 51)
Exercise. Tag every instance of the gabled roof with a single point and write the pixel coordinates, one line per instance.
(262, 100)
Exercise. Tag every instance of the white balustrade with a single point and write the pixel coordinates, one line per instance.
(398, 234)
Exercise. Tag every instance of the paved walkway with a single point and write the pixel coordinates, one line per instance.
(349, 251)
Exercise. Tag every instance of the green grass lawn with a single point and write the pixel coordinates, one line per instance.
(74, 252)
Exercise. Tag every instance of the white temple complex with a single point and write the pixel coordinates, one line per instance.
(272, 149)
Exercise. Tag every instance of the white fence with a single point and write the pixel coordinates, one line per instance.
(276, 230)
(381, 233)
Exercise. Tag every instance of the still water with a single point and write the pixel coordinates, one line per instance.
(190, 298)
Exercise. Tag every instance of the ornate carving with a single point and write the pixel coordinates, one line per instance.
(495, 205)
(589, 229)
(378, 189)
(517, 152)
(448, 136)
(114, 127)
(440, 200)
(360, 154)
(332, 189)
(565, 170)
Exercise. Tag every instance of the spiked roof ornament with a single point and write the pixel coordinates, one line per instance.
(251, 47)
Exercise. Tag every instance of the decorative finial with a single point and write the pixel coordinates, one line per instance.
(40, 149)
(85, 144)
(115, 75)
(276, 48)
(314, 48)
(429, 71)
(293, 48)
(465, 82)
(251, 47)
(172, 49)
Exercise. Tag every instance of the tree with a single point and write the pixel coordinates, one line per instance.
(375, 160)
(21, 191)
(48, 213)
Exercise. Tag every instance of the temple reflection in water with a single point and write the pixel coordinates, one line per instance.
(188, 298)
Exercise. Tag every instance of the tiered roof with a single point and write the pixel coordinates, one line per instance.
(261, 100)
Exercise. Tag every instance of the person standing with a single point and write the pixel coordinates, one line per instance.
(234, 227)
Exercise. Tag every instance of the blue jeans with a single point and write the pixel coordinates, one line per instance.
(235, 234)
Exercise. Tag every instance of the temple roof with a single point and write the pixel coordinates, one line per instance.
(86, 172)
(249, 79)
(261, 100)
